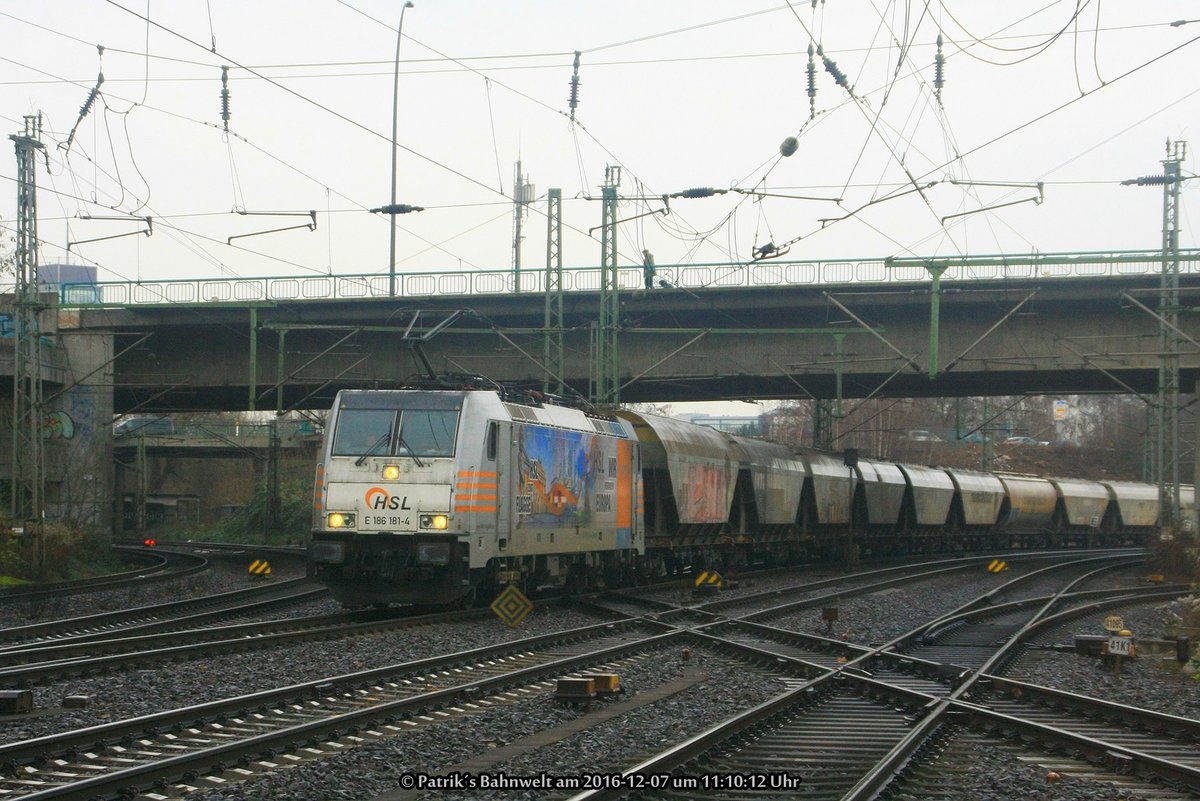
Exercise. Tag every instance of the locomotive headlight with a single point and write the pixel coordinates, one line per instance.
(341, 520)
(391, 472)
(436, 522)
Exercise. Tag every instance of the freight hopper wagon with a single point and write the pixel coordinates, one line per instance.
(436, 497)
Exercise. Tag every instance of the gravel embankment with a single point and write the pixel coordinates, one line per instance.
(169, 686)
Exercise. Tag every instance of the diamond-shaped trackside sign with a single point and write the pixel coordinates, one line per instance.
(511, 606)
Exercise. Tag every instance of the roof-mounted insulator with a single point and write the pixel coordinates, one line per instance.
(225, 96)
(574, 100)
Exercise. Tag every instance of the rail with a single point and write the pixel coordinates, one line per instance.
(587, 279)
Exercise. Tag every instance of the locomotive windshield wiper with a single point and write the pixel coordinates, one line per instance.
(407, 447)
(384, 439)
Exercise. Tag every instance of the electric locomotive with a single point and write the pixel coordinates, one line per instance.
(434, 497)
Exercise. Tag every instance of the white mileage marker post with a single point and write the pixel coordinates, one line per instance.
(1120, 646)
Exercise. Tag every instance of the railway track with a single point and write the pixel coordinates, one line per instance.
(53, 662)
(93, 646)
(854, 725)
(170, 616)
(850, 710)
(155, 566)
(114, 758)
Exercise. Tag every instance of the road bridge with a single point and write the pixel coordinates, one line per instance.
(1046, 323)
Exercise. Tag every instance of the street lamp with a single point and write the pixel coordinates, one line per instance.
(395, 111)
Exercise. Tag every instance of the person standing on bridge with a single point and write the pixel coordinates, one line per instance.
(648, 268)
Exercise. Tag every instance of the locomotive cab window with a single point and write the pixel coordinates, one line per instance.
(426, 432)
(361, 431)
(418, 432)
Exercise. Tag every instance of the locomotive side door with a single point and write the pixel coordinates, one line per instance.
(506, 486)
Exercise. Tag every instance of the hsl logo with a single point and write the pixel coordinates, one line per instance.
(378, 498)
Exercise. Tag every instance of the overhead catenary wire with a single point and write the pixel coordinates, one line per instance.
(657, 221)
(322, 106)
(223, 267)
(554, 55)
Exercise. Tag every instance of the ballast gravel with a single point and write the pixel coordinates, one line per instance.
(1151, 681)
(882, 616)
(169, 686)
(220, 577)
(973, 768)
(727, 687)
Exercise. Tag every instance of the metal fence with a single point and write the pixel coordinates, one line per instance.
(587, 279)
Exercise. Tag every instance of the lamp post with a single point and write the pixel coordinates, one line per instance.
(395, 112)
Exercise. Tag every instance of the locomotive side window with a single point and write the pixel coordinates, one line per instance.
(493, 435)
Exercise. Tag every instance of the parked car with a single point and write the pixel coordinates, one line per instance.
(1023, 441)
(144, 425)
(922, 436)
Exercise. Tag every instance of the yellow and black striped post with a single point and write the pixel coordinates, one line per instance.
(997, 566)
(259, 569)
(708, 581)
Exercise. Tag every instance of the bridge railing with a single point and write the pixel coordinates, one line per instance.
(587, 279)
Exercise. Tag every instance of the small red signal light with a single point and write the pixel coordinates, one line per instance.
(149, 543)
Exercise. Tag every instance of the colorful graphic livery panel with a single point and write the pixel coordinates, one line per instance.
(569, 480)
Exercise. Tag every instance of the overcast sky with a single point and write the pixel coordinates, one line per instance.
(679, 94)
